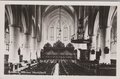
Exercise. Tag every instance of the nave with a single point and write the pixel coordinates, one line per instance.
(60, 40)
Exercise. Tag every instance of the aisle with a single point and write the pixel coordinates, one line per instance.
(56, 71)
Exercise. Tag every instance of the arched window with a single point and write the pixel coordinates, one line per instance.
(65, 33)
(51, 32)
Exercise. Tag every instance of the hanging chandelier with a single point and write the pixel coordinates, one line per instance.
(59, 20)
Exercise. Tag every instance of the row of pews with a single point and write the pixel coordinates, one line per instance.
(86, 68)
(66, 67)
(94, 68)
(107, 69)
(41, 68)
(70, 68)
(89, 67)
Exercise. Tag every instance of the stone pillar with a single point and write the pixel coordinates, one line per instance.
(93, 47)
(108, 32)
(38, 49)
(102, 44)
(11, 53)
(14, 44)
(33, 47)
(107, 44)
(26, 47)
(21, 42)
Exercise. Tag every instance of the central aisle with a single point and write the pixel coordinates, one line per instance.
(56, 71)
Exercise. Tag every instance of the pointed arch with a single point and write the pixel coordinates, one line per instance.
(111, 15)
(96, 25)
(52, 17)
(9, 13)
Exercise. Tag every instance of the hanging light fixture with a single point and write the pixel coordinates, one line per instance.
(59, 20)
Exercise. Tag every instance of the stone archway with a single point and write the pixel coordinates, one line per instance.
(111, 32)
(58, 24)
(111, 35)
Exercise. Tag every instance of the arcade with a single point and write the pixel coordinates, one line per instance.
(62, 39)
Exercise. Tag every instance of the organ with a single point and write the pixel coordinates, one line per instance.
(58, 51)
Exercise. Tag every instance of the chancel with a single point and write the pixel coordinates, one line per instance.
(60, 40)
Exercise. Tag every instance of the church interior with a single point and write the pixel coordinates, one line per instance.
(60, 40)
